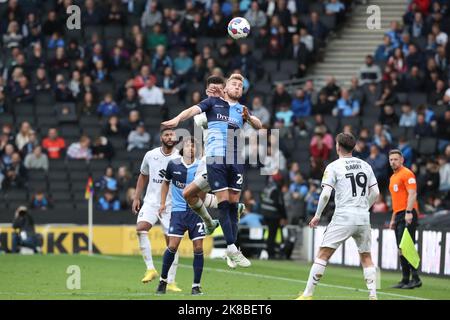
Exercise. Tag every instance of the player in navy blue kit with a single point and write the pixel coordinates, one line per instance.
(179, 173)
(225, 173)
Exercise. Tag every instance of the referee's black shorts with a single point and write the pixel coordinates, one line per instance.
(400, 225)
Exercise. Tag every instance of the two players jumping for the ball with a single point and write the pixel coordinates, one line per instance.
(223, 177)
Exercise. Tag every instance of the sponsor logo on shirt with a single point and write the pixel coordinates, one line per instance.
(411, 181)
(180, 184)
(177, 172)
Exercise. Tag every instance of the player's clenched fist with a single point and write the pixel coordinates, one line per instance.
(170, 123)
(136, 206)
(314, 222)
(245, 114)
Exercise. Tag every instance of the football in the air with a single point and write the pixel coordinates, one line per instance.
(238, 28)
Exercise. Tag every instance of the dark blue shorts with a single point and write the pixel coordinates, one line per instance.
(225, 176)
(182, 221)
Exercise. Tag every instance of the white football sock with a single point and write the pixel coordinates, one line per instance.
(200, 209)
(370, 275)
(210, 201)
(146, 249)
(173, 270)
(317, 271)
(231, 248)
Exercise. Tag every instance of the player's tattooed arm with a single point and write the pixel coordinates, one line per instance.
(164, 192)
(252, 120)
(186, 114)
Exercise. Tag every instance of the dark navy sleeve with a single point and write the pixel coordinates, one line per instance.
(169, 171)
(206, 104)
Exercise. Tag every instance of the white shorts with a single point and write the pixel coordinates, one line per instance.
(335, 235)
(149, 213)
(201, 181)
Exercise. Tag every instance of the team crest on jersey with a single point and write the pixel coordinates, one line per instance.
(155, 158)
(395, 187)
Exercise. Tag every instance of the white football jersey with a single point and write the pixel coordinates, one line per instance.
(154, 165)
(351, 178)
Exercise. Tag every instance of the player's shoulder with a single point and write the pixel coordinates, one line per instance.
(406, 172)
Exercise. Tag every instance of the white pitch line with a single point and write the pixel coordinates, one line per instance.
(263, 276)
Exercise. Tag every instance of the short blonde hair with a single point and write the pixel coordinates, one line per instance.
(236, 76)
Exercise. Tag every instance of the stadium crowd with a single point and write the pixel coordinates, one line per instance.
(87, 94)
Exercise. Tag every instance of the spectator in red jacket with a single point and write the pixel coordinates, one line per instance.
(319, 148)
(53, 144)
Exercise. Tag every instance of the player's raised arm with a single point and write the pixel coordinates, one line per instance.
(184, 115)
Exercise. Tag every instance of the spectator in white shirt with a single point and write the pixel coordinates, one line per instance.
(151, 94)
(139, 138)
(36, 160)
(80, 150)
(255, 16)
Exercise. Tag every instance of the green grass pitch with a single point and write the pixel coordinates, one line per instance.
(118, 277)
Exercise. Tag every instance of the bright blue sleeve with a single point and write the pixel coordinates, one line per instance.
(206, 104)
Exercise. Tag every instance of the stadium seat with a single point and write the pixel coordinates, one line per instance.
(332, 123)
(92, 131)
(39, 175)
(77, 165)
(62, 206)
(17, 194)
(270, 66)
(76, 34)
(112, 31)
(409, 133)
(6, 118)
(427, 146)
(61, 196)
(417, 99)
(45, 98)
(34, 185)
(59, 186)
(23, 109)
(67, 131)
(57, 175)
(43, 110)
(47, 121)
(57, 164)
(120, 76)
(353, 121)
(98, 164)
(328, 21)
(90, 30)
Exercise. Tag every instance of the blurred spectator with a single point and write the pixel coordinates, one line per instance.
(30, 145)
(62, 92)
(260, 111)
(23, 137)
(379, 163)
(444, 174)
(15, 173)
(170, 84)
(255, 16)
(301, 104)
(316, 28)
(284, 115)
(87, 106)
(408, 117)
(436, 97)
(346, 107)
(378, 132)
(361, 149)
(6, 154)
(331, 90)
(80, 150)
(91, 15)
(370, 72)
(323, 106)
(299, 187)
(397, 61)
(318, 148)
(407, 151)
(124, 181)
(156, 38)
(428, 182)
(113, 127)
(182, 63)
(102, 149)
(312, 198)
(53, 145)
(413, 81)
(108, 201)
(317, 168)
(130, 102)
(280, 97)
(151, 94)
(107, 181)
(138, 138)
(388, 116)
(23, 92)
(422, 128)
(41, 81)
(384, 51)
(12, 38)
(161, 60)
(443, 130)
(131, 122)
(129, 197)
(36, 160)
(40, 201)
(151, 16)
(244, 61)
(108, 107)
(387, 97)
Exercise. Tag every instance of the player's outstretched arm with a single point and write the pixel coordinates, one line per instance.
(140, 186)
(184, 115)
(323, 201)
